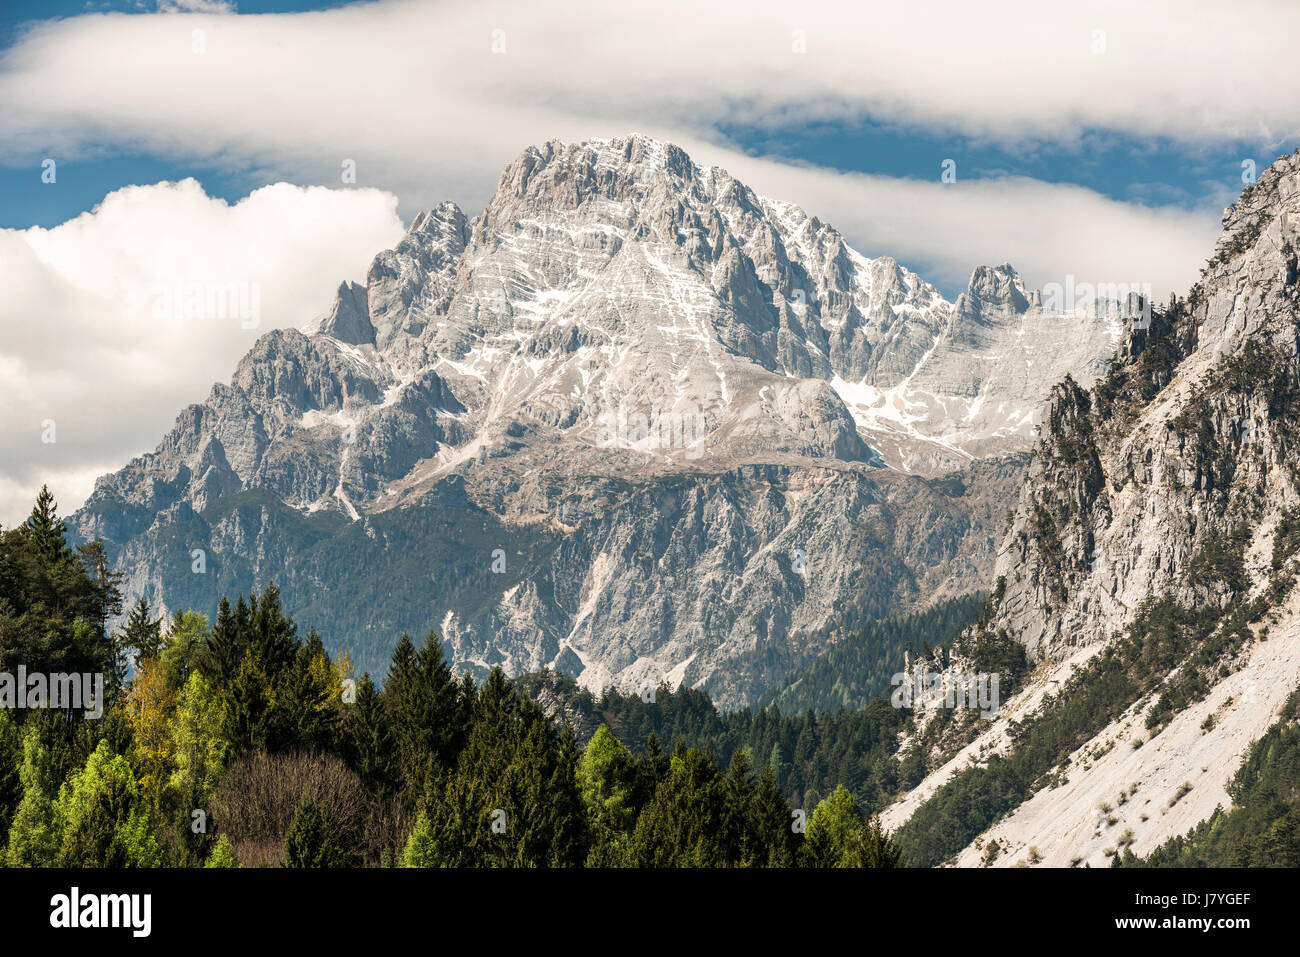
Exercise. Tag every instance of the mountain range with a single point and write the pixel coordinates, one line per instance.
(633, 422)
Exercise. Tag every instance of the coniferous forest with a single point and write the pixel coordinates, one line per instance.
(240, 742)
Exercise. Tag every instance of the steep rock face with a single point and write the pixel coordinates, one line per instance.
(1152, 551)
(730, 581)
(979, 387)
(587, 368)
(1190, 439)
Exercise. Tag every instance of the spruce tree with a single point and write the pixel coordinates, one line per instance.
(45, 529)
(773, 823)
(223, 855)
(568, 819)
(421, 848)
(310, 842)
(368, 739)
(426, 711)
(226, 645)
(106, 593)
(143, 633)
(879, 849)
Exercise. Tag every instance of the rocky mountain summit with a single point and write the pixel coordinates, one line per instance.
(633, 422)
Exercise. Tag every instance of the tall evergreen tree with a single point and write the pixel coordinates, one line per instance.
(368, 739)
(310, 842)
(45, 529)
(106, 591)
(773, 823)
(143, 633)
(426, 710)
(226, 645)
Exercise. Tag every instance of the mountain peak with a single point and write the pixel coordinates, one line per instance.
(569, 175)
(349, 318)
(615, 315)
(994, 289)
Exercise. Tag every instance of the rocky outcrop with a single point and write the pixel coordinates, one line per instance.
(1189, 440)
(1157, 514)
(640, 373)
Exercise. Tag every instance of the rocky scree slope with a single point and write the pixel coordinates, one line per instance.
(1149, 568)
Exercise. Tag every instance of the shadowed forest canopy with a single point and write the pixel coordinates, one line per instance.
(240, 742)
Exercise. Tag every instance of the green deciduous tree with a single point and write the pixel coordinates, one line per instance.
(103, 818)
(34, 834)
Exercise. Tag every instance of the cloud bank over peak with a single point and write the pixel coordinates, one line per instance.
(116, 320)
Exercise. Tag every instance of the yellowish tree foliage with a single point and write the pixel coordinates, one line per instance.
(199, 748)
(149, 707)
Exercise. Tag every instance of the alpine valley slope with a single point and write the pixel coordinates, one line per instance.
(1149, 568)
(633, 422)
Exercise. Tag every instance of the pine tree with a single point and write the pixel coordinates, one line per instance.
(226, 645)
(743, 845)
(425, 709)
(45, 529)
(247, 720)
(834, 832)
(772, 821)
(838, 836)
(568, 818)
(879, 849)
(368, 739)
(310, 842)
(313, 697)
(421, 846)
(684, 825)
(143, 633)
(273, 636)
(106, 595)
(185, 646)
(651, 769)
(223, 855)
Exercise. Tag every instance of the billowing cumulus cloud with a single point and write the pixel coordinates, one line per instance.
(113, 322)
(415, 86)
(429, 100)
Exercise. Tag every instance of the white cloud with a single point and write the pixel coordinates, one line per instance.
(300, 87)
(942, 230)
(196, 6)
(414, 93)
(94, 339)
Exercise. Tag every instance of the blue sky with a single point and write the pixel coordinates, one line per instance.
(1130, 168)
(1197, 178)
(1099, 140)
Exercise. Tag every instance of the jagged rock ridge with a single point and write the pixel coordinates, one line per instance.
(1164, 497)
(620, 333)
